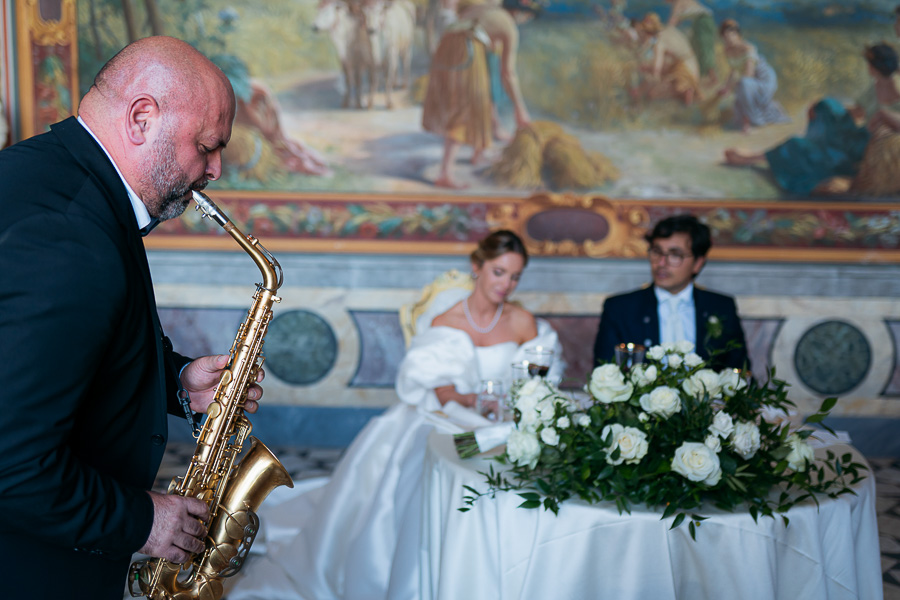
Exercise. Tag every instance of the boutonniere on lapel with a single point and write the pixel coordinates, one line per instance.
(713, 327)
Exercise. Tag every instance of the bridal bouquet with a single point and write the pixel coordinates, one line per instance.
(671, 433)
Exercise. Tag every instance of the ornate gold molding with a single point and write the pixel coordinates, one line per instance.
(51, 33)
(37, 37)
(604, 227)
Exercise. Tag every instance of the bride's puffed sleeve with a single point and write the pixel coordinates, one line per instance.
(437, 357)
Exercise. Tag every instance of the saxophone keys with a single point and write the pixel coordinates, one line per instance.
(211, 589)
(174, 485)
(240, 525)
(221, 557)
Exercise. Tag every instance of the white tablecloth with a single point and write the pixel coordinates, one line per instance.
(497, 551)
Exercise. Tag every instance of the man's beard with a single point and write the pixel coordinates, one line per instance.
(168, 182)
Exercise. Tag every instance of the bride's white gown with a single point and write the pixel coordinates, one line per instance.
(355, 536)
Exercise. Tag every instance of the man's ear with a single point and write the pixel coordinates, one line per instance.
(143, 112)
(698, 265)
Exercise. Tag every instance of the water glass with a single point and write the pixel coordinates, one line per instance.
(520, 373)
(491, 401)
(629, 355)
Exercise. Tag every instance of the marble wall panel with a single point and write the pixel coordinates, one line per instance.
(576, 334)
(356, 299)
(201, 331)
(380, 350)
(760, 336)
(892, 389)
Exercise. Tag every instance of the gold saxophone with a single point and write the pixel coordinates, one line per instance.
(232, 491)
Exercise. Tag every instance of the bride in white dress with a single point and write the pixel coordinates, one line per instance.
(356, 536)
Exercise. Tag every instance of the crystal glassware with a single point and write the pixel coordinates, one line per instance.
(539, 360)
(629, 355)
(491, 401)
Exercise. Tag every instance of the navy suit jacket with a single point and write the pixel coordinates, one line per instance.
(87, 382)
(633, 317)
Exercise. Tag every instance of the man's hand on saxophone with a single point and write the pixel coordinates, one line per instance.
(177, 530)
(201, 377)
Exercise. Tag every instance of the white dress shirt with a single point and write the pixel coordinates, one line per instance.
(678, 323)
(140, 211)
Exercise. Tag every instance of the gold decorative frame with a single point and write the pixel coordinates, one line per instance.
(37, 38)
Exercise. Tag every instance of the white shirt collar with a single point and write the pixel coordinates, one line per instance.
(141, 214)
(685, 296)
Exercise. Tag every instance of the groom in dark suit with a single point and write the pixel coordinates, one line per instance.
(87, 374)
(673, 308)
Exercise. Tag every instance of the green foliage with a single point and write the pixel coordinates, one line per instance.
(625, 443)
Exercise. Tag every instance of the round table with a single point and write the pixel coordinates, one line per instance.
(497, 551)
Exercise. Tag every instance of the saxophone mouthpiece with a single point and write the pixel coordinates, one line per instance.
(209, 208)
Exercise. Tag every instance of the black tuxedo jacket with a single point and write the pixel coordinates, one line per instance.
(83, 401)
(633, 317)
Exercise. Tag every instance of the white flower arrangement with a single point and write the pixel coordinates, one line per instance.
(670, 432)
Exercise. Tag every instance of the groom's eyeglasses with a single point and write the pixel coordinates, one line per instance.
(673, 259)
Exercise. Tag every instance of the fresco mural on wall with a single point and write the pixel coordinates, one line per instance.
(620, 109)
(659, 89)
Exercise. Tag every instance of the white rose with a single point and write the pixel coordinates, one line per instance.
(731, 382)
(608, 384)
(529, 387)
(669, 347)
(674, 360)
(697, 462)
(532, 392)
(528, 420)
(692, 359)
(523, 448)
(643, 374)
(549, 436)
(643, 417)
(684, 346)
(631, 442)
(663, 401)
(656, 352)
(525, 403)
(722, 424)
(563, 422)
(745, 439)
(703, 381)
(801, 455)
(583, 420)
(713, 442)
(546, 409)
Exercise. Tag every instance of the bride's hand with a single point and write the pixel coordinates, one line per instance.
(448, 392)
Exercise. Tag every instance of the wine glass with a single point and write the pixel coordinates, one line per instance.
(628, 355)
(490, 401)
(539, 359)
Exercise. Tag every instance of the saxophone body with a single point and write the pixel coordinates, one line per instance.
(233, 490)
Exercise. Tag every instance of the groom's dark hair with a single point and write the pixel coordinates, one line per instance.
(701, 240)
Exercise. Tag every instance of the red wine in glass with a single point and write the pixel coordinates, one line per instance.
(538, 370)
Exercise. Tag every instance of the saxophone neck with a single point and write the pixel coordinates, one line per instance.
(268, 265)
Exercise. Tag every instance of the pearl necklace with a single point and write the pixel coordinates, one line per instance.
(475, 326)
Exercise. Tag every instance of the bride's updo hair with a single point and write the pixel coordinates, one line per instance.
(497, 244)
